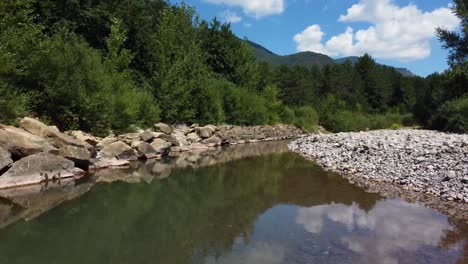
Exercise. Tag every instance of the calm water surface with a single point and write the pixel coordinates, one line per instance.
(247, 204)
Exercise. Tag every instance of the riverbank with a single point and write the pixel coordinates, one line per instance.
(36, 153)
(417, 165)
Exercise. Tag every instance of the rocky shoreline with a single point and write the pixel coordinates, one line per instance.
(35, 153)
(421, 166)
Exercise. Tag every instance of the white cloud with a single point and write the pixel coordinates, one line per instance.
(230, 17)
(402, 33)
(256, 8)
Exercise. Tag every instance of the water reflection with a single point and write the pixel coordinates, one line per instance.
(248, 204)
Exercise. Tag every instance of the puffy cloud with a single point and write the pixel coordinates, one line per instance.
(256, 8)
(395, 32)
(386, 232)
(230, 17)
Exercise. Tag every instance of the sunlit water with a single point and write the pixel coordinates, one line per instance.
(248, 204)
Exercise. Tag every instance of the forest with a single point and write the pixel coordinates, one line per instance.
(116, 65)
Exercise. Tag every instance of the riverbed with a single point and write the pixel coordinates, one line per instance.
(253, 203)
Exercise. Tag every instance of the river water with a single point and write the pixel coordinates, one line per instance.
(252, 204)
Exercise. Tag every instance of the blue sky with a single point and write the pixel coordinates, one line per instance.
(395, 32)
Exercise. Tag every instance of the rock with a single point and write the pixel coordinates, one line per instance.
(205, 132)
(20, 143)
(193, 138)
(80, 156)
(161, 170)
(465, 180)
(97, 164)
(146, 151)
(164, 128)
(5, 159)
(129, 138)
(106, 142)
(38, 168)
(147, 135)
(88, 138)
(160, 145)
(54, 137)
(118, 150)
(212, 141)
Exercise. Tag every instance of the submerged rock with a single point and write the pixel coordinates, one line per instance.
(38, 168)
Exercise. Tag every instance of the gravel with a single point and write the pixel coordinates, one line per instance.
(424, 161)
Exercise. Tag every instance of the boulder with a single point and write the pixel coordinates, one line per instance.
(164, 128)
(20, 143)
(54, 137)
(80, 156)
(212, 141)
(38, 168)
(5, 159)
(205, 132)
(129, 138)
(147, 135)
(106, 142)
(193, 138)
(160, 145)
(82, 136)
(146, 151)
(118, 150)
(108, 163)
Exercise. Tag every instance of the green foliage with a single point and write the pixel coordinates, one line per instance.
(12, 104)
(306, 118)
(452, 116)
(210, 100)
(244, 108)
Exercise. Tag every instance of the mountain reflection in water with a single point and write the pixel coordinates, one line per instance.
(253, 203)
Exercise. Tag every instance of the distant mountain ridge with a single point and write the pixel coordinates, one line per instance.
(306, 58)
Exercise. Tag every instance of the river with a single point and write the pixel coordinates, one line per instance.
(256, 203)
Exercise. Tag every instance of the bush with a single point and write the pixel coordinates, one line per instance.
(244, 108)
(452, 116)
(306, 118)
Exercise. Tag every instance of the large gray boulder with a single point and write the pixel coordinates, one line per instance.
(212, 141)
(160, 145)
(53, 136)
(38, 168)
(205, 132)
(5, 159)
(80, 156)
(164, 128)
(193, 138)
(147, 135)
(20, 143)
(82, 136)
(106, 142)
(129, 138)
(118, 150)
(146, 151)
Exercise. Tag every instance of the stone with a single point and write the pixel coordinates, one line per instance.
(205, 132)
(5, 159)
(160, 145)
(147, 135)
(20, 143)
(118, 150)
(146, 151)
(88, 138)
(97, 164)
(54, 137)
(106, 142)
(193, 138)
(212, 141)
(37, 168)
(129, 138)
(164, 128)
(80, 156)
(161, 170)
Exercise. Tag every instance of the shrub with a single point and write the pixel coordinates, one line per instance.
(306, 118)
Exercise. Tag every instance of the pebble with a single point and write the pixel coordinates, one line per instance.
(418, 160)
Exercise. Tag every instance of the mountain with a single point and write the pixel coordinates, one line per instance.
(307, 58)
(354, 59)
